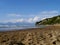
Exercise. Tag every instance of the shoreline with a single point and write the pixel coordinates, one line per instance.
(16, 29)
(51, 27)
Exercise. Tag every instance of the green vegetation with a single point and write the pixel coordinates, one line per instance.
(49, 21)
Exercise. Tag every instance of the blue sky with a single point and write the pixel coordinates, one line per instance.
(28, 10)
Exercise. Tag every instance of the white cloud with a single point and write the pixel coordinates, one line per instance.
(49, 12)
(29, 20)
(36, 18)
(32, 18)
(56, 12)
(13, 20)
(20, 20)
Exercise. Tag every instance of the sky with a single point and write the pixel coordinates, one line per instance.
(29, 11)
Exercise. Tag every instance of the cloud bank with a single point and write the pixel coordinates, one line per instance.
(31, 19)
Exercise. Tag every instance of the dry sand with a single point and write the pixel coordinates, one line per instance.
(37, 36)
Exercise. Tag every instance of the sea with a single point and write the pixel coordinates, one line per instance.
(19, 27)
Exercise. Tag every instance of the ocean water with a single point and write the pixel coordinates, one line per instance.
(19, 28)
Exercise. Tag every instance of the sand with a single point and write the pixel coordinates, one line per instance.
(49, 35)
